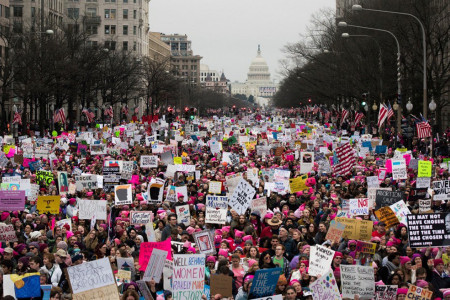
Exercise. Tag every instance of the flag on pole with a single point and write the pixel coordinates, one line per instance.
(344, 115)
(59, 116)
(390, 112)
(358, 117)
(109, 111)
(423, 128)
(346, 159)
(90, 116)
(382, 114)
(125, 110)
(17, 118)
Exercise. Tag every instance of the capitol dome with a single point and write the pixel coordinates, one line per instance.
(258, 70)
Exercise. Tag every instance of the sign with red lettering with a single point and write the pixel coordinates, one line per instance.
(188, 281)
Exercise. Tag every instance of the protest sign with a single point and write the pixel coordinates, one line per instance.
(418, 293)
(188, 276)
(320, 260)
(274, 297)
(141, 217)
(155, 190)
(424, 206)
(205, 242)
(48, 204)
(221, 284)
(387, 215)
(401, 211)
(88, 209)
(91, 275)
(126, 263)
(45, 177)
(357, 280)
(424, 168)
(423, 182)
(149, 161)
(335, 232)
(306, 162)
(7, 233)
(62, 222)
(429, 230)
(123, 194)
(12, 200)
(441, 190)
(127, 170)
(98, 149)
(372, 182)
(371, 194)
(145, 291)
(86, 181)
(123, 276)
(183, 214)
(216, 209)
(265, 282)
(215, 187)
(325, 287)
(356, 229)
(146, 249)
(359, 206)
(298, 184)
(399, 169)
(155, 266)
(386, 292)
(385, 198)
(365, 247)
(242, 196)
(259, 205)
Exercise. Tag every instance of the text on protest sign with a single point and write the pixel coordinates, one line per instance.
(140, 217)
(147, 248)
(242, 196)
(320, 260)
(385, 198)
(205, 242)
(359, 206)
(423, 182)
(429, 230)
(7, 233)
(91, 275)
(386, 292)
(259, 205)
(88, 182)
(265, 282)
(89, 209)
(357, 280)
(48, 204)
(441, 190)
(149, 161)
(12, 200)
(399, 169)
(325, 287)
(215, 187)
(424, 169)
(123, 194)
(188, 279)
(335, 231)
(365, 247)
(356, 229)
(387, 215)
(155, 266)
(415, 292)
(216, 209)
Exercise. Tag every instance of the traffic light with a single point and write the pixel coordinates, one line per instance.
(309, 100)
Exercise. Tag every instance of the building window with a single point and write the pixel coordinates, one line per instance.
(7, 12)
(33, 12)
(110, 29)
(134, 46)
(110, 14)
(134, 30)
(17, 27)
(125, 13)
(18, 11)
(111, 45)
(134, 14)
(92, 29)
(125, 29)
(73, 13)
(125, 46)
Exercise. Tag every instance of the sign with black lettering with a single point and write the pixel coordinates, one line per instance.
(385, 198)
(241, 198)
(429, 230)
(86, 182)
(441, 190)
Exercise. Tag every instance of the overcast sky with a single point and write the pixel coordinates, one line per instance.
(226, 33)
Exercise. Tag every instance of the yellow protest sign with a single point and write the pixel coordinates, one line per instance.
(387, 215)
(48, 204)
(7, 148)
(298, 184)
(415, 292)
(356, 229)
(177, 160)
(250, 145)
(365, 247)
(424, 169)
(402, 150)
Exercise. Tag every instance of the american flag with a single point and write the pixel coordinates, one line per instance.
(423, 128)
(17, 118)
(327, 116)
(358, 117)
(344, 115)
(390, 112)
(109, 111)
(90, 116)
(382, 114)
(125, 110)
(136, 109)
(59, 116)
(316, 109)
(346, 158)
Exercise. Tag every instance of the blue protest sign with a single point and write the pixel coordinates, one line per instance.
(367, 144)
(380, 149)
(265, 282)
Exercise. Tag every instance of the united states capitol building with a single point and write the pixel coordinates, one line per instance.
(258, 81)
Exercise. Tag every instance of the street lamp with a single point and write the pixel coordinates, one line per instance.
(409, 105)
(346, 35)
(357, 7)
(374, 107)
(432, 107)
(399, 85)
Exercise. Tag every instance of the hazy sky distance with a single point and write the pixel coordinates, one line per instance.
(227, 33)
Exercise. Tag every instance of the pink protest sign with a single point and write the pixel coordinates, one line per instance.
(146, 251)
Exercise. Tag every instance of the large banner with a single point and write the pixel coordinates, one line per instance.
(429, 230)
(188, 281)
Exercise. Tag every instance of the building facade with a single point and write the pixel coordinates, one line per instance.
(258, 83)
(184, 63)
(213, 80)
(157, 49)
